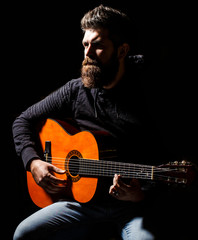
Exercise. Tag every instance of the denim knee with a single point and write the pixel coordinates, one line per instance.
(27, 231)
(135, 230)
(19, 233)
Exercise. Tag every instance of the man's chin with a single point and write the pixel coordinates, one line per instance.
(95, 77)
(90, 83)
(91, 76)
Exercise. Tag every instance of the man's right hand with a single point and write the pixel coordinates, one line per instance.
(43, 174)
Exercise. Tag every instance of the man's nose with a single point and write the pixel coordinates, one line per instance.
(89, 51)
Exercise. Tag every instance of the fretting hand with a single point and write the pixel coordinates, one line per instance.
(126, 192)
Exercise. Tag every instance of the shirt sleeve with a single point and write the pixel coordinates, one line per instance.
(56, 105)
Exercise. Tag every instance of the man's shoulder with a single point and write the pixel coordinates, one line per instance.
(75, 83)
(71, 86)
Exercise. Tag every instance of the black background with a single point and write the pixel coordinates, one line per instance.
(42, 50)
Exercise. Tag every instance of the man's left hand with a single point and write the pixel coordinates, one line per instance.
(126, 192)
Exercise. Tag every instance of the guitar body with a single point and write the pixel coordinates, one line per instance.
(65, 146)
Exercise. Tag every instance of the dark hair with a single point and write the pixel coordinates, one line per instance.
(116, 22)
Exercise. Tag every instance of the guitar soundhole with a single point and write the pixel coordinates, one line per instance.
(74, 165)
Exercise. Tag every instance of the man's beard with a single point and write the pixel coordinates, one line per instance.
(96, 75)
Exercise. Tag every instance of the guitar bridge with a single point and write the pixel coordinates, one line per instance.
(47, 152)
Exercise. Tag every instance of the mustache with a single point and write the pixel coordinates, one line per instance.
(89, 61)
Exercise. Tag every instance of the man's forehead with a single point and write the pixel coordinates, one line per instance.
(95, 35)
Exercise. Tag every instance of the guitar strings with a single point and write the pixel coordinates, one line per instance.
(130, 169)
(97, 163)
(132, 174)
(101, 164)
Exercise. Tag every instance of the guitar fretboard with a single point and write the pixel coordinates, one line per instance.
(87, 167)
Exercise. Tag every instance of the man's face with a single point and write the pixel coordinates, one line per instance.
(100, 63)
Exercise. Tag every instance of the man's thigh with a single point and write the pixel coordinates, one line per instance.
(46, 221)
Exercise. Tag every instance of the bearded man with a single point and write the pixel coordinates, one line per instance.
(106, 98)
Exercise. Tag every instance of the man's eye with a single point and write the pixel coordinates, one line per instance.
(85, 45)
(96, 45)
(99, 45)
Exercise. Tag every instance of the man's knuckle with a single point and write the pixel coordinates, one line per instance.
(40, 181)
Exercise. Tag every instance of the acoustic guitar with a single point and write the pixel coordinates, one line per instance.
(82, 155)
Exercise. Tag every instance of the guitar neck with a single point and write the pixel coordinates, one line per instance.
(103, 168)
(109, 169)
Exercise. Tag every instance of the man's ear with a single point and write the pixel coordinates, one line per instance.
(123, 50)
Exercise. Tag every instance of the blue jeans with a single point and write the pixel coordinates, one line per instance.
(72, 220)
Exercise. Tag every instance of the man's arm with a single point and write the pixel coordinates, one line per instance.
(56, 105)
